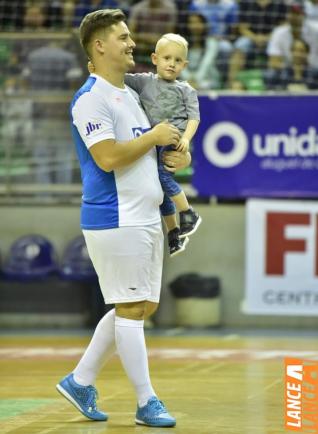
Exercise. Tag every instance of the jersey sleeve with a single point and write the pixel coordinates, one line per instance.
(192, 103)
(93, 119)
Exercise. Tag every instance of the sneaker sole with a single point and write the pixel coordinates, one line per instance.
(199, 221)
(140, 422)
(182, 248)
(66, 395)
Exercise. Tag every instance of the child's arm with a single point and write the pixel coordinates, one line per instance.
(192, 106)
(137, 81)
(189, 132)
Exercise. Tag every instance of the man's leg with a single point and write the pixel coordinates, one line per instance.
(131, 347)
(78, 387)
(100, 349)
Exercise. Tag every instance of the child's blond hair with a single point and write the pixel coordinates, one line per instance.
(173, 37)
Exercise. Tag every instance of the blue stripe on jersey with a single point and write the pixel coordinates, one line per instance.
(100, 200)
(89, 83)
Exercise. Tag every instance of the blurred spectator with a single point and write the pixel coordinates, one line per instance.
(311, 12)
(222, 18)
(280, 45)
(84, 7)
(257, 19)
(295, 77)
(201, 72)
(52, 68)
(221, 15)
(68, 13)
(183, 7)
(53, 10)
(11, 14)
(148, 20)
(34, 17)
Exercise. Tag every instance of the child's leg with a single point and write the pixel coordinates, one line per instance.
(168, 212)
(170, 222)
(181, 202)
(189, 219)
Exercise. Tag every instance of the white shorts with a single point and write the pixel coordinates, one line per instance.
(128, 262)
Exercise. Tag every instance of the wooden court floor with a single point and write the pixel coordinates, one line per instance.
(211, 384)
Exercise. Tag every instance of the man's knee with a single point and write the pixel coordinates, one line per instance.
(150, 308)
(135, 310)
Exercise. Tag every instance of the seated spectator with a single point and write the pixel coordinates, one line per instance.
(222, 17)
(311, 12)
(257, 19)
(54, 14)
(148, 21)
(34, 17)
(280, 45)
(201, 72)
(84, 7)
(183, 7)
(52, 68)
(295, 77)
(11, 14)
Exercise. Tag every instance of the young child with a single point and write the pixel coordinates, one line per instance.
(165, 98)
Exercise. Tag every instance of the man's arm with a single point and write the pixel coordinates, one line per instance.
(111, 155)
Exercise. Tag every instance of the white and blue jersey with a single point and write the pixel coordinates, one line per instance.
(129, 196)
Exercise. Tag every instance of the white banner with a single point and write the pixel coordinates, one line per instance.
(281, 257)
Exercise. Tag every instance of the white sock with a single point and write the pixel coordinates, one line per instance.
(100, 349)
(131, 347)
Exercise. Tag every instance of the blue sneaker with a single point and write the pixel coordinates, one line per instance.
(154, 413)
(82, 397)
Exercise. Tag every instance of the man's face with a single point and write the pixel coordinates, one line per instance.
(119, 47)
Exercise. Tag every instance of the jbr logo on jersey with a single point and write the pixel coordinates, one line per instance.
(90, 127)
(139, 131)
(282, 257)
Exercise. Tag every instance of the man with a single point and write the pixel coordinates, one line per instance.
(257, 19)
(120, 213)
(279, 49)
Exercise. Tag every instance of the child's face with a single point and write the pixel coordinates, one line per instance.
(170, 60)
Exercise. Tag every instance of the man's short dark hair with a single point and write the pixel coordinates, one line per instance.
(96, 21)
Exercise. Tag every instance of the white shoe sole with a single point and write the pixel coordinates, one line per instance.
(140, 422)
(69, 398)
(186, 240)
(199, 221)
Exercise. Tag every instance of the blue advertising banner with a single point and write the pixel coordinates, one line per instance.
(257, 146)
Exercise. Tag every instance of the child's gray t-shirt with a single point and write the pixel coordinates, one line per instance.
(176, 101)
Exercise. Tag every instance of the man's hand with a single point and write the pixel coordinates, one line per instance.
(165, 134)
(174, 160)
(183, 145)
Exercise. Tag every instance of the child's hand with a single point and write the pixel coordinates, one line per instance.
(183, 145)
(90, 67)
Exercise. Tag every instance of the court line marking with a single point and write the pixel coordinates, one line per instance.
(265, 389)
(30, 417)
(163, 353)
(211, 368)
